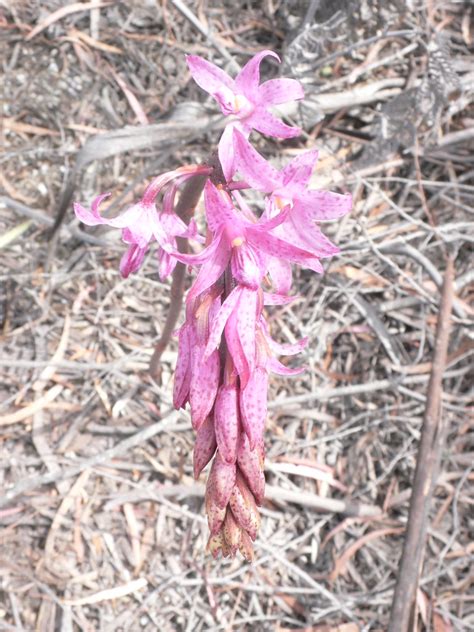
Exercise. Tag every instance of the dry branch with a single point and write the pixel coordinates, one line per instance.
(429, 451)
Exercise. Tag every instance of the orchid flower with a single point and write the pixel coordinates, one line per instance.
(288, 188)
(290, 185)
(240, 242)
(142, 222)
(246, 100)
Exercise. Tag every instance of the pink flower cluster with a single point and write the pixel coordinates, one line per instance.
(225, 349)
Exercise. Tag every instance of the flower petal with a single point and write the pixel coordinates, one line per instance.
(225, 152)
(287, 349)
(220, 210)
(281, 276)
(270, 298)
(248, 79)
(284, 250)
(209, 273)
(276, 91)
(322, 205)
(266, 123)
(91, 217)
(208, 76)
(202, 257)
(253, 406)
(166, 264)
(275, 366)
(308, 236)
(219, 322)
(248, 266)
(226, 422)
(297, 173)
(204, 446)
(254, 168)
(131, 260)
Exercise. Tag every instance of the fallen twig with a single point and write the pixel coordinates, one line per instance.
(402, 614)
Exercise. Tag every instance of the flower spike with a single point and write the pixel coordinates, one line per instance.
(225, 351)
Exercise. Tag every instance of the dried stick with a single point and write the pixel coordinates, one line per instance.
(184, 209)
(403, 605)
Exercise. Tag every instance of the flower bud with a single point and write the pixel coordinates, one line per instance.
(226, 422)
(232, 532)
(204, 447)
(244, 508)
(221, 481)
(250, 463)
(253, 406)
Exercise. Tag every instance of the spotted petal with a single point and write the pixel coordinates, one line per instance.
(268, 124)
(277, 91)
(254, 168)
(204, 446)
(297, 173)
(208, 76)
(226, 422)
(248, 78)
(253, 406)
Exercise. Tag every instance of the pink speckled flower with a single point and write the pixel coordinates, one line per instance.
(246, 100)
(242, 243)
(142, 222)
(288, 189)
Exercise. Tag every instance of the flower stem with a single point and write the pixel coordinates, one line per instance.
(188, 200)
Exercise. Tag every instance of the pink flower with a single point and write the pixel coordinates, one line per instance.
(290, 185)
(243, 243)
(247, 100)
(142, 222)
(288, 188)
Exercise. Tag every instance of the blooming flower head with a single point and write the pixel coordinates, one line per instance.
(246, 100)
(225, 351)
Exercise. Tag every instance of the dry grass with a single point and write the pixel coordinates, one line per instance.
(101, 524)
